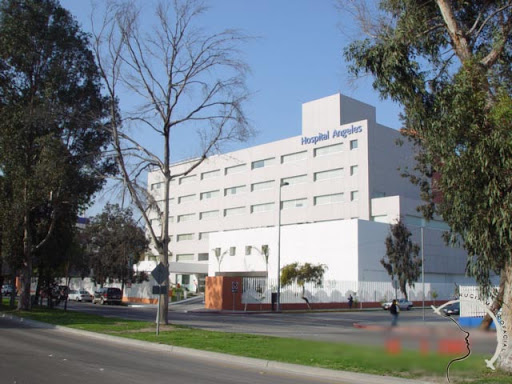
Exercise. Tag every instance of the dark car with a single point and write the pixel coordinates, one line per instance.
(108, 295)
(62, 292)
(452, 309)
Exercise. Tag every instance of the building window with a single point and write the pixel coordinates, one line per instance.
(185, 237)
(292, 157)
(186, 198)
(173, 182)
(296, 203)
(186, 217)
(234, 169)
(234, 190)
(330, 174)
(232, 251)
(262, 207)
(204, 235)
(208, 215)
(353, 170)
(210, 194)
(354, 195)
(171, 219)
(248, 250)
(187, 179)
(328, 199)
(210, 174)
(203, 257)
(184, 257)
(262, 185)
(234, 211)
(172, 201)
(263, 163)
(156, 186)
(353, 144)
(328, 149)
(295, 180)
(380, 219)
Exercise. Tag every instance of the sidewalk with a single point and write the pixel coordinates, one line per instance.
(266, 365)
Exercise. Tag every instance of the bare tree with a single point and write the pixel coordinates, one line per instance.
(184, 79)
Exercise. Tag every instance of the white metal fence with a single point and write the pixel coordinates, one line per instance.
(473, 304)
(259, 290)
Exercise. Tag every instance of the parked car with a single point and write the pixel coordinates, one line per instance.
(79, 295)
(452, 309)
(7, 289)
(107, 295)
(402, 303)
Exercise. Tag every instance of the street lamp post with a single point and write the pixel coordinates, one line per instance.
(423, 272)
(278, 299)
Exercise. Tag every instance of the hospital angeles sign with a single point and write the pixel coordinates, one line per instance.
(332, 134)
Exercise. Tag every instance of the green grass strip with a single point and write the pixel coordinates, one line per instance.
(337, 356)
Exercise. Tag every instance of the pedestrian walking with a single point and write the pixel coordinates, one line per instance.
(394, 309)
(350, 301)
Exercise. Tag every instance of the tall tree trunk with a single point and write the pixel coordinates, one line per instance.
(164, 257)
(496, 304)
(26, 270)
(505, 359)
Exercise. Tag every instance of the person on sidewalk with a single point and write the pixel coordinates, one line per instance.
(394, 309)
(350, 301)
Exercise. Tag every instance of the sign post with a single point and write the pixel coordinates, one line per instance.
(234, 291)
(159, 274)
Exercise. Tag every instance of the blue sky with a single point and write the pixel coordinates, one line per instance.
(296, 58)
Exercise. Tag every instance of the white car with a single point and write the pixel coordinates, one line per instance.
(79, 295)
(7, 289)
(402, 303)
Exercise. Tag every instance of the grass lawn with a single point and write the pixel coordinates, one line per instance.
(373, 360)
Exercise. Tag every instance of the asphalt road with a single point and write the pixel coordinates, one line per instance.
(321, 326)
(34, 355)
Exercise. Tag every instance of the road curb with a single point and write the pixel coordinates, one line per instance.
(269, 365)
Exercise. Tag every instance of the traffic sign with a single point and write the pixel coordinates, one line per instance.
(160, 273)
(234, 286)
(159, 289)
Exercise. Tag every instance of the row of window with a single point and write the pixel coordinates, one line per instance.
(263, 207)
(231, 251)
(292, 157)
(180, 257)
(268, 184)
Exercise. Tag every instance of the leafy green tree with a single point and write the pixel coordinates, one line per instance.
(116, 243)
(401, 261)
(448, 63)
(63, 256)
(302, 274)
(52, 127)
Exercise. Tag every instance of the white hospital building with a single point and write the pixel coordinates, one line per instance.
(325, 196)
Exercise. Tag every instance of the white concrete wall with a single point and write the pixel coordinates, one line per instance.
(371, 249)
(387, 161)
(352, 250)
(333, 243)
